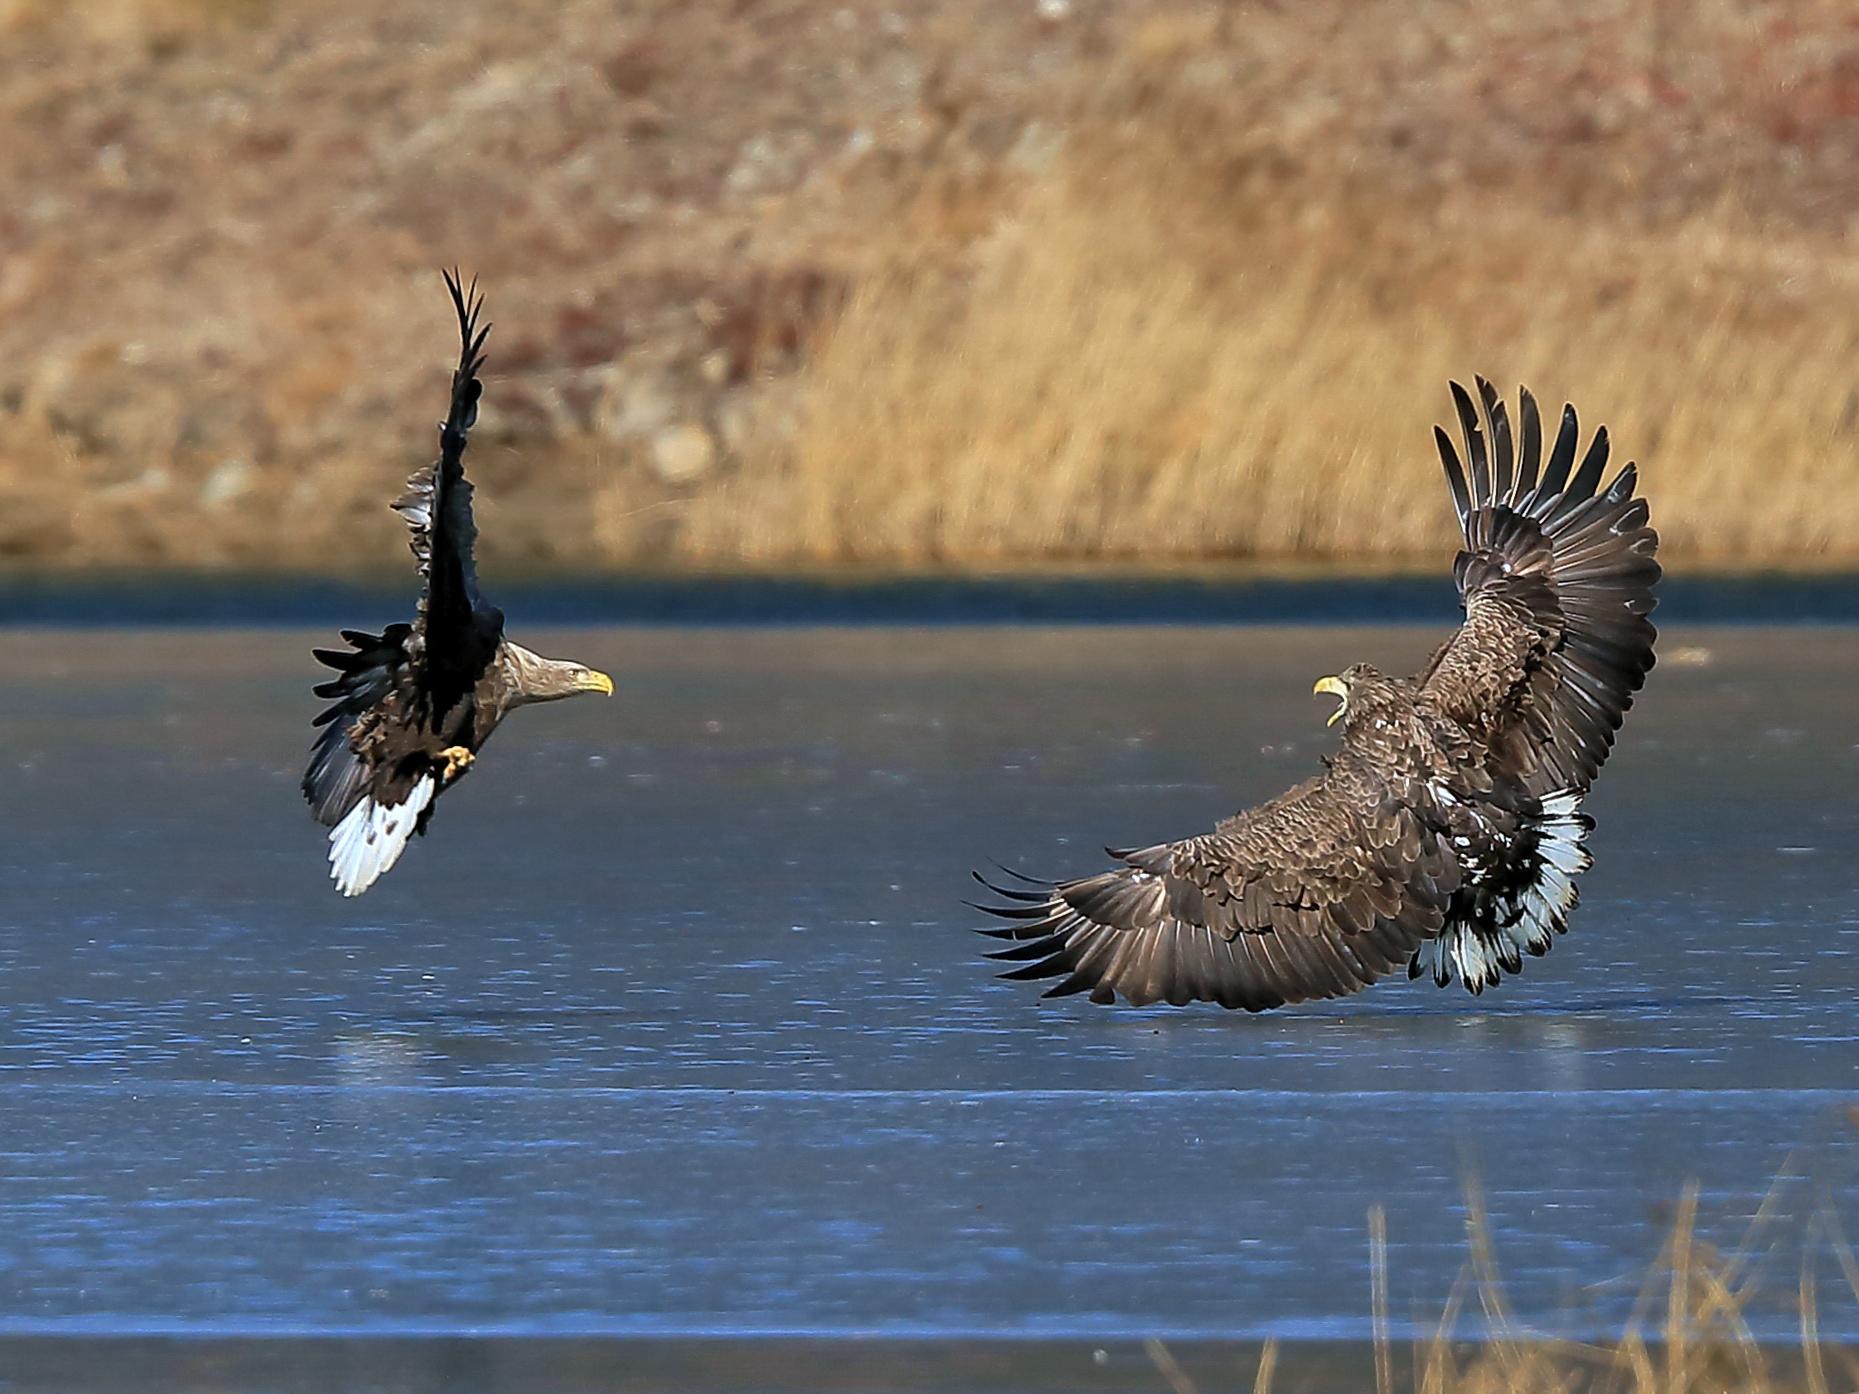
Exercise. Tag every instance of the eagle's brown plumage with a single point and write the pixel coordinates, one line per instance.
(1446, 834)
(414, 704)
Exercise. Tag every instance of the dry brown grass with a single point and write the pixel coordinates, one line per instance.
(1688, 1333)
(1091, 388)
(161, 22)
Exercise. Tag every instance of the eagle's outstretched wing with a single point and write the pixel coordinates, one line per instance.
(1315, 894)
(1556, 576)
(456, 632)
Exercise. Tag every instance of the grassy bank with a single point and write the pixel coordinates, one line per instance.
(968, 285)
(1071, 398)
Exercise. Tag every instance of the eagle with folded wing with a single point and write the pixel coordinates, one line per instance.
(1446, 835)
(411, 707)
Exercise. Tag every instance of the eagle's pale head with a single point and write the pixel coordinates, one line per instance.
(538, 679)
(1357, 687)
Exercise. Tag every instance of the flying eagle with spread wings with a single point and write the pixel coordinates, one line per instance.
(1447, 833)
(412, 706)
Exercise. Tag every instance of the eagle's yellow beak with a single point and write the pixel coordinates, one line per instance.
(1336, 687)
(595, 681)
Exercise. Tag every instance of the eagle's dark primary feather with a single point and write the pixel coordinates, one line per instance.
(1502, 463)
(437, 501)
(457, 632)
(1447, 834)
(411, 706)
(1530, 453)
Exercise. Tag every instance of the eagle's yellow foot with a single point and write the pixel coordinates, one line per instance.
(457, 761)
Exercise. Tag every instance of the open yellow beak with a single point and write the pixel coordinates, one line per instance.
(1336, 688)
(597, 682)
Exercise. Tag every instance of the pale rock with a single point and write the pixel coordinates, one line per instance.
(632, 406)
(768, 162)
(229, 482)
(714, 367)
(1037, 149)
(769, 411)
(683, 454)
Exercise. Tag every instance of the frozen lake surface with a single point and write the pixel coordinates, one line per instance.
(674, 1027)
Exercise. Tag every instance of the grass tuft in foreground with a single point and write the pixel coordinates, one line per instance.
(1688, 1333)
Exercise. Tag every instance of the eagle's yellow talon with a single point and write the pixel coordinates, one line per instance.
(457, 761)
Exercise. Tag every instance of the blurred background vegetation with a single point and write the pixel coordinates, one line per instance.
(971, 283)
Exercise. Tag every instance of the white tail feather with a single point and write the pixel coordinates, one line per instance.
(1479, 952)
(370, 839)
